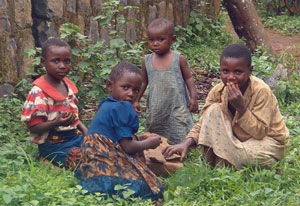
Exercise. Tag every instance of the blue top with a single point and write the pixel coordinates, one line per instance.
(115, 120)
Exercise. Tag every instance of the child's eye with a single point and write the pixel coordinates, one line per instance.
(225, 71)
(238, 72)
(125, 87)
(137, 90)
(55, 61)
(161, 39)
(150, 40)
(67, 61)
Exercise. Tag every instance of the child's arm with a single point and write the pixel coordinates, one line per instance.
(189, 81)
(131, 146)
(136, 104)
(60, 120)
(82, 128)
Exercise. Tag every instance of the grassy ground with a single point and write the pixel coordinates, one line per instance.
(26, 181)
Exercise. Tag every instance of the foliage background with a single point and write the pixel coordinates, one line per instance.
(26, 181)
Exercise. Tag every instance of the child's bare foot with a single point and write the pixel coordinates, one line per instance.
(158, 202)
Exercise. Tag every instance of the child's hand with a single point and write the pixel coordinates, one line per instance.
(235, 98)
(181, 148)
(153, 142)
(66, 119)
(136, 107)
(193, 105)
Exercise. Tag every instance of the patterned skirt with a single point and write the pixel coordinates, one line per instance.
(62, 148)
(105, 165)
(216, 133)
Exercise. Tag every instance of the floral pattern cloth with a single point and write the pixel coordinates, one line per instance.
(105, 165)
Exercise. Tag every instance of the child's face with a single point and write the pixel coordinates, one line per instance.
(126, 88)
(160, 40)
(57, 61)
(235, 70)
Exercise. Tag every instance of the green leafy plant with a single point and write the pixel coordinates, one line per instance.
(92, 63)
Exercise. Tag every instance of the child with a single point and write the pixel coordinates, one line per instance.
(167, 72)
(240, 123)
(50, 110)
(107, 150)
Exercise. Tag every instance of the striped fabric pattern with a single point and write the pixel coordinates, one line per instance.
(45, 103)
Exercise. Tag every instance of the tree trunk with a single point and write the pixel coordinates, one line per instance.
(246, 23)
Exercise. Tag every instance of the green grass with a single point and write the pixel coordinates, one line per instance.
(289, 25)
(26, 181)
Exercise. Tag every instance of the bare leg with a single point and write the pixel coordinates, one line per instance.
(209, 155)
(220, 162)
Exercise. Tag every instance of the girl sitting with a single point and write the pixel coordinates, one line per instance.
(240, 123)
(108, 149)
(50, 110)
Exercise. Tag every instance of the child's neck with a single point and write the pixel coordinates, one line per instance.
(58, 84)
(162, 61)
(53, 81)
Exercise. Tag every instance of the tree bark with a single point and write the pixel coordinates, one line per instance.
(246, 23)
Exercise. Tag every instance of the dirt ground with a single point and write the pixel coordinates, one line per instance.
(279, 42)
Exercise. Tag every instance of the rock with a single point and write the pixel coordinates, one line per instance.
(169, 13)
(280, 73)
(71, 6)
(81, 23)
(6, 90)
(47, 9)
(130, 27)
(45, 30)
(44, 17)
(97, 4)
(11, 75)
(104, 33)
(84, 6)
(39, 8)
(157, 162)
(186, 11)
(22, 9)
(25, 42)
(152, 13)
(55, 9)
(94, 33)
(5, 25)
(179, 13)
(162, 9)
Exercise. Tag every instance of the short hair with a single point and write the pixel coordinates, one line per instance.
(237, 51)
(162, 23)
(53, 42)
(120, 69)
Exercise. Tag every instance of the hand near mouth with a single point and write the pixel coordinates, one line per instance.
(235, 98)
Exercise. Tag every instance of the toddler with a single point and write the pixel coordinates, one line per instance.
(169, 105)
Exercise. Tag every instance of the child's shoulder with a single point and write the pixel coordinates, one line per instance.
(113, 104)
(258, 84)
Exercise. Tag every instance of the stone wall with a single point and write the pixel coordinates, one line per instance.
(15, 38)
(25, 24)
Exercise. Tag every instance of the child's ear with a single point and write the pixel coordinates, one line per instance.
(173, 38)
(42, 61)
(109, 84)
(250, 69)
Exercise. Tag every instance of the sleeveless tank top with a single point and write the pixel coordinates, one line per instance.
(167, 113)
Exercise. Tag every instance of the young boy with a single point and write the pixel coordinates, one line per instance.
(240, 123)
